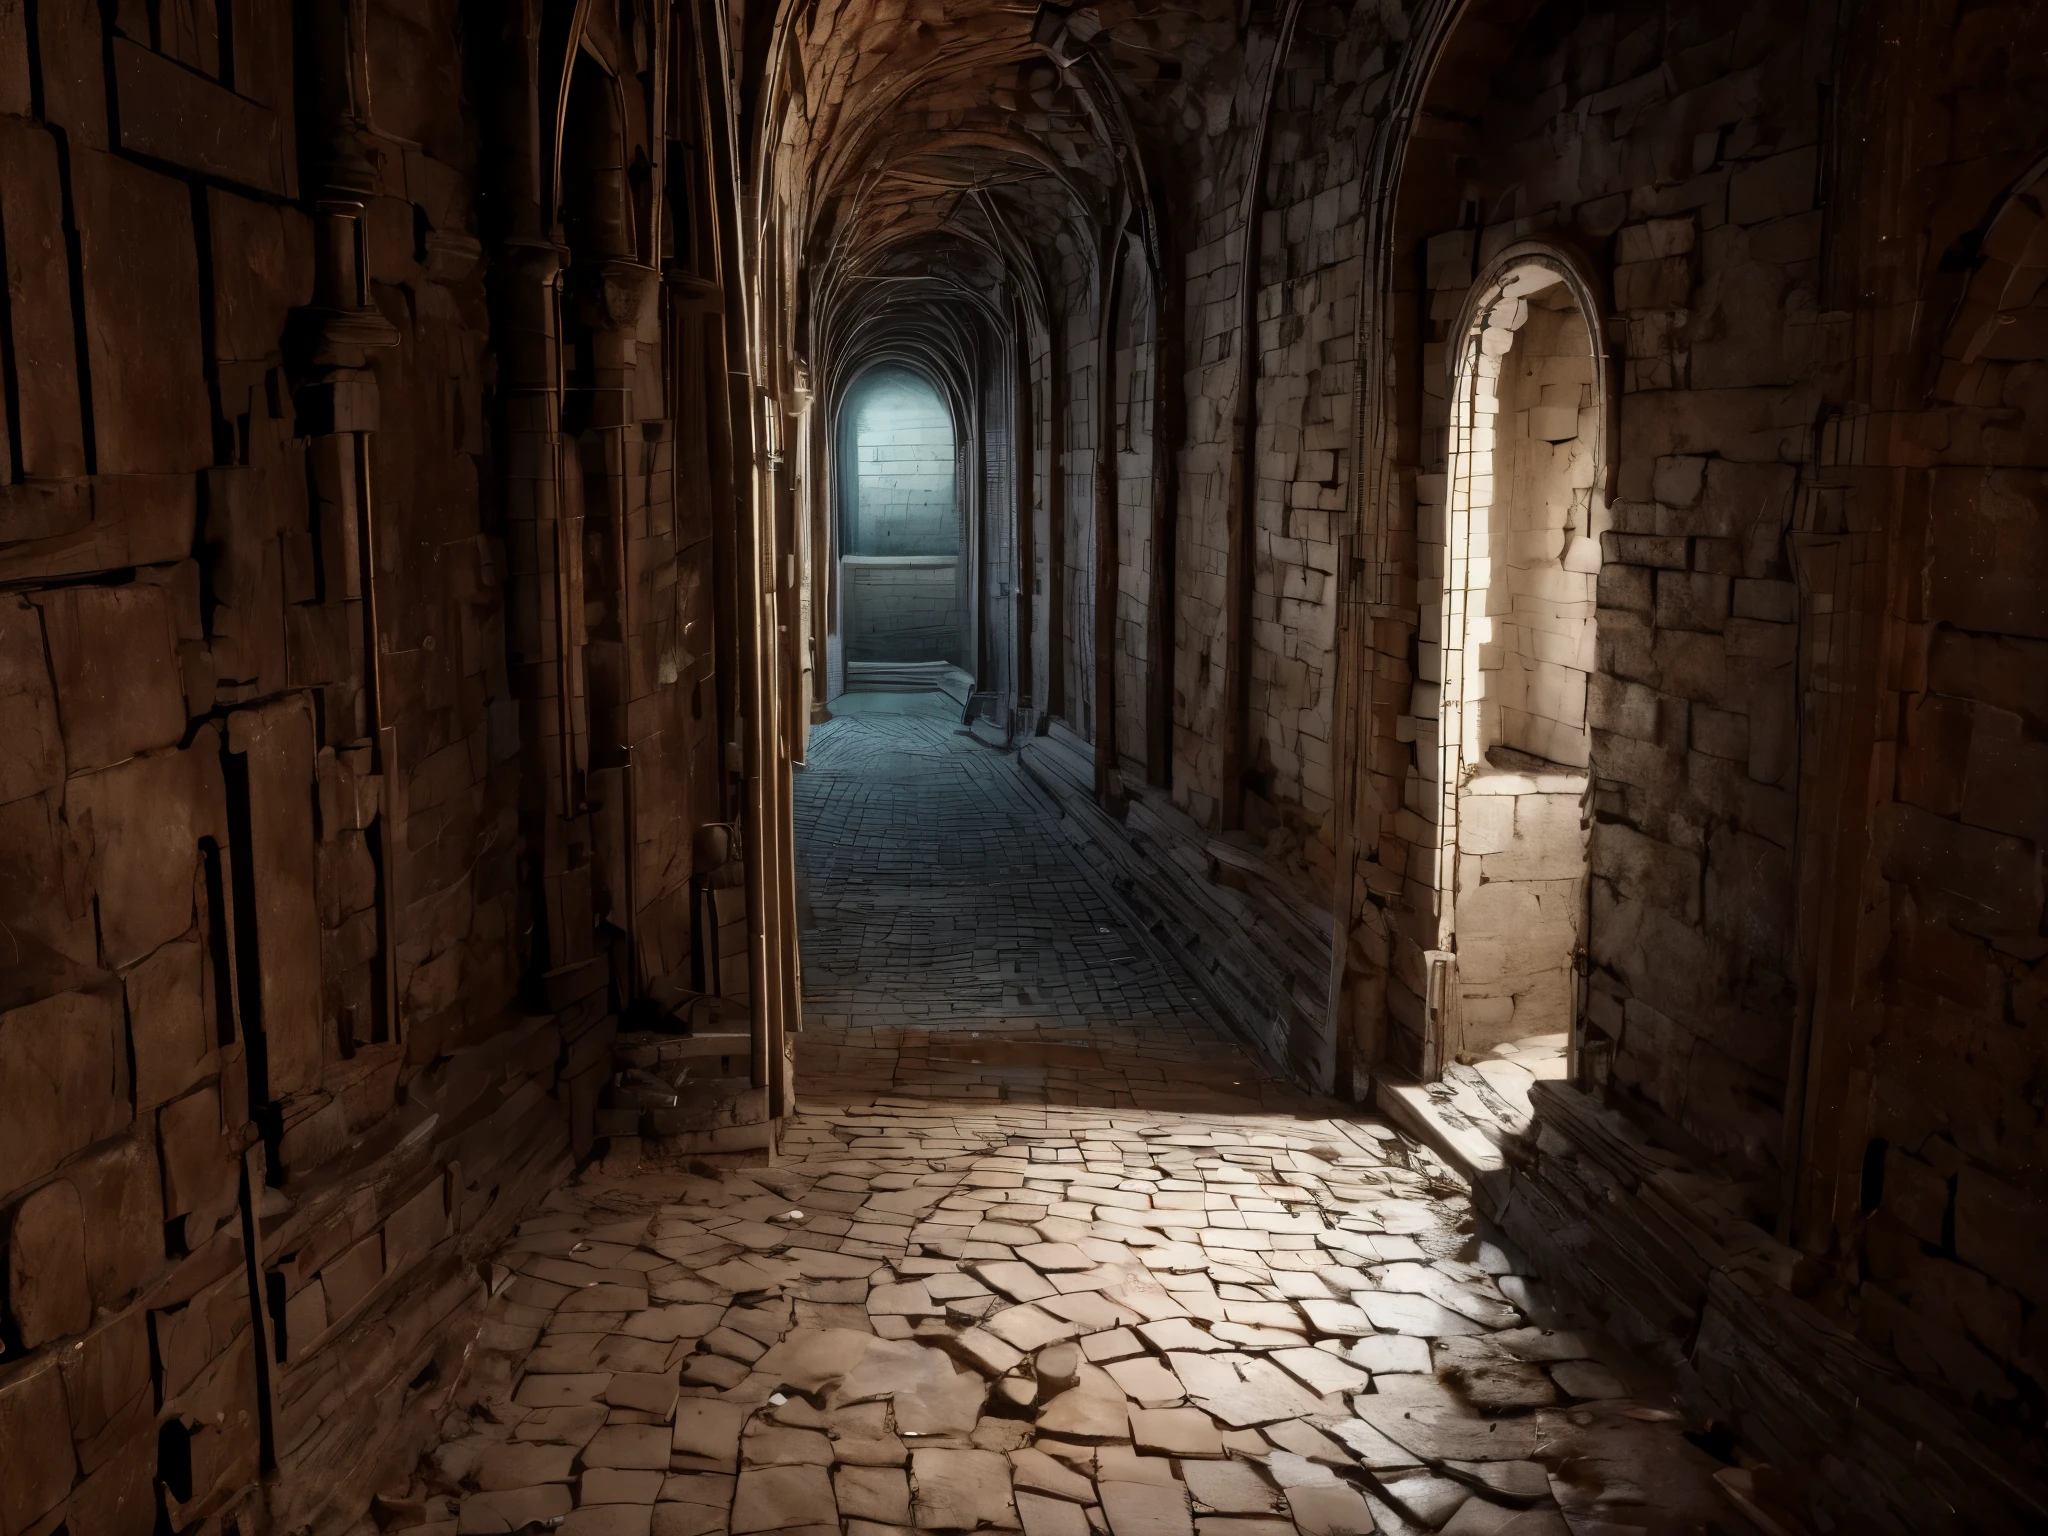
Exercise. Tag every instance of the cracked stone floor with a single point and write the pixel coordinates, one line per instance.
(1073, 1268)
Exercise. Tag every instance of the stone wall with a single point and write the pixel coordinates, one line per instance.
(1694, 992)
(900, 608)
(1768, 816)
(332, 846)
(1746, 677)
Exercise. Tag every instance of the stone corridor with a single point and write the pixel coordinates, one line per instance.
(1160, 768)
(1072, 1264)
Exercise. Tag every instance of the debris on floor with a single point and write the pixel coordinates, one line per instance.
(1053, 1319)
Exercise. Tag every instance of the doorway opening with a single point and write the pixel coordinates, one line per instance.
(903, 604)
(1525, 503)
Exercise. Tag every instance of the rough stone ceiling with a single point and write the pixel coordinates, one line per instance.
(928, 151)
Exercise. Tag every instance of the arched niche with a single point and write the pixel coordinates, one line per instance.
(1514, 538)
(597, 213)
(899, 524)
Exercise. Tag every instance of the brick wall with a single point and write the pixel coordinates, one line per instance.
(306, 1003)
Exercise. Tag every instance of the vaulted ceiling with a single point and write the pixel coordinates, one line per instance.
(937, 162)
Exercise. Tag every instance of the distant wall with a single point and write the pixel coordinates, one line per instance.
(900, 608)
(900, 491)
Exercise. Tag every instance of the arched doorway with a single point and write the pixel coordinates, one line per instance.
(903, 605)
(1524, 497)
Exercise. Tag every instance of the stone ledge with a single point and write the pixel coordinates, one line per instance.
(1661, 1252)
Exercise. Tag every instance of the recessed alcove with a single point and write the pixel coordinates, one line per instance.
(901, 601)
(1520, 559)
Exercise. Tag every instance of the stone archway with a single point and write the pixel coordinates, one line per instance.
(1516, 548)
(900, 539)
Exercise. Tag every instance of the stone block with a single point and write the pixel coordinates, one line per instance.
(14, 61)
(708, 1430)
(1774, 602)
(779, 1498)
(221, 1409)
(145, 818)
(1646, 870)
(1654, 240)
(353, 1275)
(1916, 1195)
(200, 1170)
(73, 50)
(1738, 497)
(277, 744)
(961, 1490)
(1486, 823)
(114, 657)
(1977, 881)
(86, 527)
(1748, 896)
(263, 269)
(119, 1499)
(179, 116)
(141, 281)
(47, 1296)
(31, 743)
(36, 1460)
(1692, 600)
(63, 1062)
(245, 572)
(51, 437)
(1653, 285)
(1625, 587)
(43, 514)
(1998, 1231)
(45, 903)
(124, 1218)
(416, 1226)
(1624, 708)
(2007, 777)
(169, 1030)
(304, 1320)
(104, 1374)
(1775, 187)
(1678, 480)
(1719, 733)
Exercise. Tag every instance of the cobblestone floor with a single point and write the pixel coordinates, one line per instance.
(935, 895)
(1083, 1273)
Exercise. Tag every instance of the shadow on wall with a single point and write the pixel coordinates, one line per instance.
(899, 567)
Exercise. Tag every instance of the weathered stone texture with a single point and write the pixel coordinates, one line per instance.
(272, 1082)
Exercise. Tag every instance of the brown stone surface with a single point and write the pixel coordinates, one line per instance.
(145, 818)
(47, 1293)
(141, 318)
(1534, 627)
(50, 441)
(31, 745)
(38, 1461)
(277, 744)
(64, 1051)
(174, 114)
(779, 1498)
(113, 655)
